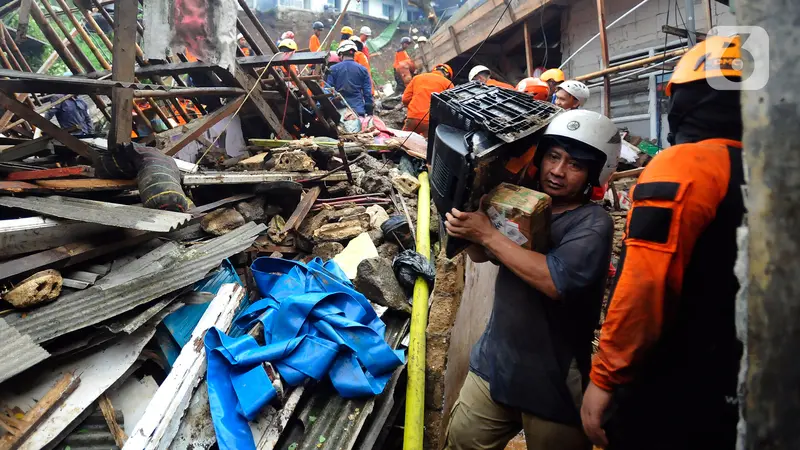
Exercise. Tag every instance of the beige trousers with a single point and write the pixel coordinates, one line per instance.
(478, 423)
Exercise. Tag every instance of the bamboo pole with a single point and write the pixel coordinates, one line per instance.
(601, 22)
(415, 392)
(82, 59)
(631, 65)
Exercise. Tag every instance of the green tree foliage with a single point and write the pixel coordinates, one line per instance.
(59, 68)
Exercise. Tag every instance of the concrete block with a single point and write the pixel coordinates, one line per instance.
(222, 221)
(339, 231)
(38, 288)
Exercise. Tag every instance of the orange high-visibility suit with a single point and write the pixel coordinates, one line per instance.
(314, 44)
(362, 59)
(668, 347)
(400, 56)
(417, 97)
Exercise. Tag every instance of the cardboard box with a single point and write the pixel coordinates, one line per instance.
(521, 214)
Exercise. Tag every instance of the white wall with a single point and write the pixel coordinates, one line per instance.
(640, 30)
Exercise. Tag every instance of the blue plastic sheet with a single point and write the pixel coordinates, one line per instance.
(315, 324)
(182, 322)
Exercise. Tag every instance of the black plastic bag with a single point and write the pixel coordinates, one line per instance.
(409, 265)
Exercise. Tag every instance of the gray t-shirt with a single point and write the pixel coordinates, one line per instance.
(531, 340)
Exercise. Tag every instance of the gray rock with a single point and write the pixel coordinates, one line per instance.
(388, 250)
(375, 279)
(327, 250)
(222, 221)
(376, 235)
(252, 211)
(374, 182)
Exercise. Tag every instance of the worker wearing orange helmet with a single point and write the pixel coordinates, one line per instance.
(537, 88)
(665, 374)
(417, 97)
(553, 77)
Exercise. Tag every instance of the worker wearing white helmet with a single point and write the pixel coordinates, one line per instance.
(571, 94)
(364, 34)
(243, 45)
(484, 75)
(527, 369)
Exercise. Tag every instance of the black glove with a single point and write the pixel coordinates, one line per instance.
(369, 108)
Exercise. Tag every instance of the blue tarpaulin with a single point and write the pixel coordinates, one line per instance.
(315, 323)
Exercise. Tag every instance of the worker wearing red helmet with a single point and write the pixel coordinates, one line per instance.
(417, 97)
(665, 374)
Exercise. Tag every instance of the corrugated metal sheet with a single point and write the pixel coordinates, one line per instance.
(261, 176)
(18, 350)
(327, 420)
(176, 269)
(104, 213)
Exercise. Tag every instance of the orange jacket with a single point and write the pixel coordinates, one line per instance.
(400, 56)
(366, 50)
(362, 59)
(493, 82)
(314, 44)
(245, 51)
(417, 96)
(676, 198)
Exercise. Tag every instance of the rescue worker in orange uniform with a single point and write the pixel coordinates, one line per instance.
(537, 88)
(665, 374)
(417, 97)
(314, 44)
(364, 34)
(484, 75)
(243, 45)
(288, 46)
(361, 58)
(553, 77)
(401, 55)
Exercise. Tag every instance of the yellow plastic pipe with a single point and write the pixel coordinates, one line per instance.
(415, 391)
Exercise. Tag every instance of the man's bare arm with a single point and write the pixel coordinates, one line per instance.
(529, 265)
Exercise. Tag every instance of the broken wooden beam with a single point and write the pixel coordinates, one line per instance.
(61, 172)
(257, 176)
(301, 211)
(107, 409)
(123, 65)
(196, 128)
(26, 149)
(70, 141)
(40, 411)
(248, 83)
(191, 92)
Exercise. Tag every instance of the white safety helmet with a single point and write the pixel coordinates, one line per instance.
(239, 36)
(595, 131)
(476, 70)
(346, 46)
(365, 30)
(577, 90)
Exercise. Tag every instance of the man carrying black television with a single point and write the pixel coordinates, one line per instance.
(529, 368)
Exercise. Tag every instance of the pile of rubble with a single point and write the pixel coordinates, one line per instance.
(105, 302)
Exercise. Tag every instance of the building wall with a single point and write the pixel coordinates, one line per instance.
(640, 30)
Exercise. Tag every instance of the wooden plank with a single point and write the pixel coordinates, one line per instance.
(161, 419)
(108, 413)
(248, 83)
(199, 126)
(301, 211)
(25, 149)
(528, 48)
(87, 185)
(123, 65)
(54, 397)
(46, 126)
(20, 187)
(454, 37)
(61, 172)
(601, 23)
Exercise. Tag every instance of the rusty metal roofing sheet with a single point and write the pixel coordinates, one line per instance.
(104, 213)
(18, 350)
(174, 270)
